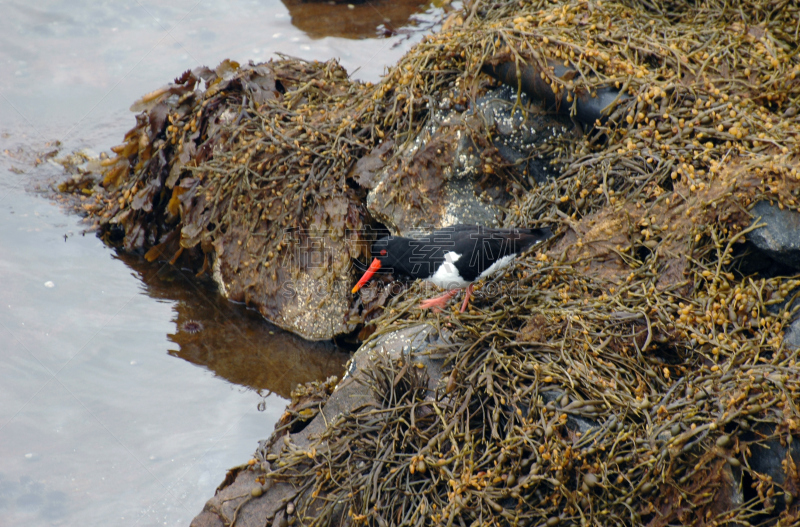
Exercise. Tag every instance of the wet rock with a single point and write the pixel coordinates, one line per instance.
(790, 305)
(753, 262)
(729, 496)
(588, 109)
(432, 183)
(450, 174)
(780, 238)
(519, 128)
(411, 343)
(574, 422)
(791, 335)
(199, 184)
(270, 506)
(776, 460)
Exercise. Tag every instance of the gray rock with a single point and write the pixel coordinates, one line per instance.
(442, 178)
(519, 127)
(433, 182)
(791, 303)
(780, 238)
(588, 108)
(791, 335)
(729, 496)
(574, 422)
(313, 307)
(770, 458)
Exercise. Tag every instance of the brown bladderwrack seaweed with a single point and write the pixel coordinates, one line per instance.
(624, 389)
(252, 171)
(253, 178)
(628, 373)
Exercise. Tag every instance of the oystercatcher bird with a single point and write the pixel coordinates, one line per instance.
(452, 258)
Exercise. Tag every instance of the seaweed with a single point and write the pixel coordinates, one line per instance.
(628, 372)
(254, 167)
(629, 354)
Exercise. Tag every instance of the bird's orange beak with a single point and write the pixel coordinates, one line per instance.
(374, 266)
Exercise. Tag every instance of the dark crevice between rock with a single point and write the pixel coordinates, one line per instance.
(749, 260)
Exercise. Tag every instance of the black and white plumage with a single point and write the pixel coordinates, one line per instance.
(453, 257)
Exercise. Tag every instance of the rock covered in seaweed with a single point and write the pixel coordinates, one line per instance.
(638, 316)
(257, 175)
(302, 432)
(631, 362)
(245, 179)
(524, 132)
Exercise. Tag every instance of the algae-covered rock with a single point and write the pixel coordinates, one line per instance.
(779, 238)
(257, 175)
(302, 432)
(522, 129)
(240, 171)
(631, 370)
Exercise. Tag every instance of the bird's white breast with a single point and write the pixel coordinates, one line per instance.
(447, 275)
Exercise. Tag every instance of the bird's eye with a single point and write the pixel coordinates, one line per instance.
(383, 252)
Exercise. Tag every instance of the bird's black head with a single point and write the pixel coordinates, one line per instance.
(382, 250)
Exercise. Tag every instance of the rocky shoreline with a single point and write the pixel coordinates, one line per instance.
(638, 368)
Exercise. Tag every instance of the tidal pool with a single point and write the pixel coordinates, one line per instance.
(126, 388)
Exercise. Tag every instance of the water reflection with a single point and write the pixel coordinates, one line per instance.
(353, 19)
(234, 342)
(98, 425)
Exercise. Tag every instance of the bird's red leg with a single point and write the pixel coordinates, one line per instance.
(438, 303)
(470, 288)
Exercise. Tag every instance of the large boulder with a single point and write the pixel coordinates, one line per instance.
(231, 172)
(462, 167)
(235, 172)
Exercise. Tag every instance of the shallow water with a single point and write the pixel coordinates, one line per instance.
(126, 388)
